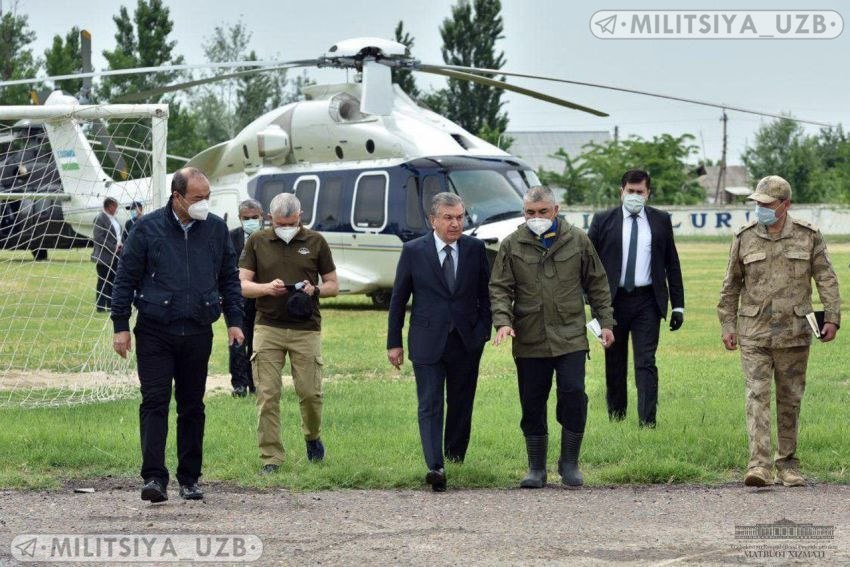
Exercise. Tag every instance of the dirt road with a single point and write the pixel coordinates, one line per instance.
(658, 525)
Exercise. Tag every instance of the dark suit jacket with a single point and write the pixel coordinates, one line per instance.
(419, 273)
(105, 240)
(237, 237)
(606, 233)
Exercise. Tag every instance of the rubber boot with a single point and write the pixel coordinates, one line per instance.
(537, 447)
(568, 463)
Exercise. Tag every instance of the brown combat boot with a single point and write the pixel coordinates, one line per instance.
(789, 477)
(758, 476)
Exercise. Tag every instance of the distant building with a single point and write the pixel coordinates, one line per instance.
(536, 148)
(736, 183)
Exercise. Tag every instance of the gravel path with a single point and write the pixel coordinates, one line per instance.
(658, 525)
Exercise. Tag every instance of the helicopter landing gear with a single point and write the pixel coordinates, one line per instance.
(39, 254)
(381, 298)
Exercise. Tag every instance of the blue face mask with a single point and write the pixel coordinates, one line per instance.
(765, 215)
(133, 214)
(250, 226)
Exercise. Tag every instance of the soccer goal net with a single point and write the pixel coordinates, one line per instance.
(59, 163)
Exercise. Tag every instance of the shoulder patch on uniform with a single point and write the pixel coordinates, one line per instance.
(749, 225)
(805, 224)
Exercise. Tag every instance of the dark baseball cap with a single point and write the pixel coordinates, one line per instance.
(299, 306)
(134, 205)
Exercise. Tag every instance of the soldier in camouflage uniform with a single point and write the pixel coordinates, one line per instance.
(771, 266)
(540, 276)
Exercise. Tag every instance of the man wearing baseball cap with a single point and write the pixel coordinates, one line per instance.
(766, 296)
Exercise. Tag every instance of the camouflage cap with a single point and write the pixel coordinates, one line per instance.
(771, 188)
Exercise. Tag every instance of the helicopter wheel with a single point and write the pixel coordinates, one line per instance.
(39, 254)
(381, 298)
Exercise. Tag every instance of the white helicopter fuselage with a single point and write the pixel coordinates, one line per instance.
(365, 181)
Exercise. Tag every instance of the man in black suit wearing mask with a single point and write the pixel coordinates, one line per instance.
(447, 273)
(636, 246)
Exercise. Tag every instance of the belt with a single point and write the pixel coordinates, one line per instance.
(642, 290)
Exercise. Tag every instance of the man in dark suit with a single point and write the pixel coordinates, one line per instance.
(136, 211)
(635, 244)
(106, 235)
(447, 273)
(241, 379)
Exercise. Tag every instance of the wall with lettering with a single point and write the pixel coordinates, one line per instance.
(724, 221)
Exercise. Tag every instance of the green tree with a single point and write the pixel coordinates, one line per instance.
(593, 178)
(16, 57)
(258, 93)
(143, 41)
(830, 181)
(404, 77)
(63, 58)
(469, 39)
(782, 148)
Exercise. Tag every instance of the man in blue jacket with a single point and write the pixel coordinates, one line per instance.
(179, 268)
(447, 273)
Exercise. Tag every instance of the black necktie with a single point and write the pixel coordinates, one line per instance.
(629, 280)
(449, 268)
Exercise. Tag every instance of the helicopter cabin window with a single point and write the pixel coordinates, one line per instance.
(305, 190)
(329, 203)
(412, 211)
(430, 187)
(370, 201)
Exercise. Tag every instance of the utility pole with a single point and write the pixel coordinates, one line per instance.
(719, 194)
(616, 134)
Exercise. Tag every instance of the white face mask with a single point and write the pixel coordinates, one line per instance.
(199, 210)
(286, 233)
(250, 226)
(634, 203)
(538, 225)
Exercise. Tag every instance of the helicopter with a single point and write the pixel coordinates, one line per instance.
(362, 157)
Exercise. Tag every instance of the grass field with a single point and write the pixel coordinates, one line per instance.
(370, 409)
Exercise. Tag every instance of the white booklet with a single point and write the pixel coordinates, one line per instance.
(594, 327)
(813, 323)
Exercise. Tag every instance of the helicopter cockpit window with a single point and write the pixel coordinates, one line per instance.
(305, 190)
(530, 177)
(412, 210)
(430, 187)
(487, 194)
(370, 198)
(517, 180)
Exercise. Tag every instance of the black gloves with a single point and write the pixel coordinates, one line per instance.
(676, 320)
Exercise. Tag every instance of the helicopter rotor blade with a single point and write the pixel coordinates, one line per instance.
(474, 70)
(150, 93)
(161, 69)
(439, 70)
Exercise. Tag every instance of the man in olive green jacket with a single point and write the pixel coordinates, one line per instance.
(540, 276)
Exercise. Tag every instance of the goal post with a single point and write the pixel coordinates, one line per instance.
(58, 163)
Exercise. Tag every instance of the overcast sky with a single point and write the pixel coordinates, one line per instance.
(808, 78)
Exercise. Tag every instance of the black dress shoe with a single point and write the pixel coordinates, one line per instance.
(153, 491)
(437, 479)
(269, 469)
(239, 392)
(191, 492)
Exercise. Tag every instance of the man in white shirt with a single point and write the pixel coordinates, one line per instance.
(636, 246)
(106, 236)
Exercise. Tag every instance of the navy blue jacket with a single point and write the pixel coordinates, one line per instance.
(434, 307)
(179, 281)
